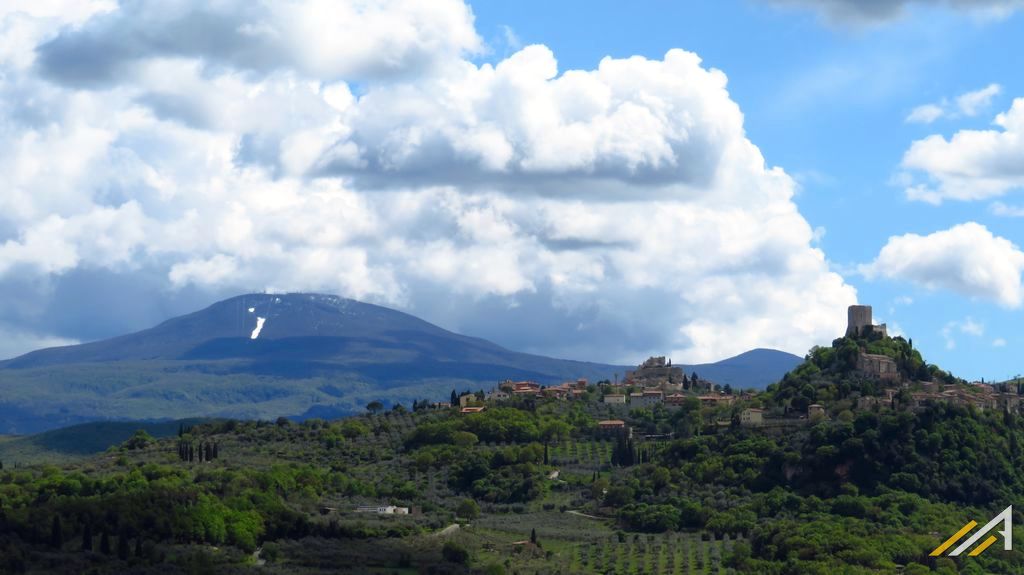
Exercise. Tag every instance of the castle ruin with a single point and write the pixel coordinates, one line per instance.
(655, 371)
(859, 322)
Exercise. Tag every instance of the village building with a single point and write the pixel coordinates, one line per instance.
(815, 412)
(867, 402)
(520, 388)
(876, 366)
(647, 398)
(675, 400)
(466, 410)
(615, 399)
(752, 417)
(498, 395)
(613, 428)
(714, 400)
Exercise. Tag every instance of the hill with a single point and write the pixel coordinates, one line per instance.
(528, 486)
(299, 355)
(82, 440)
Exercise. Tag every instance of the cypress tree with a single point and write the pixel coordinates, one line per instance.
(87, 537)
(56, 533)
(455, 398)
(122, 546)
(138, 546)
(105, 543)
(545, 454)
(533, 536)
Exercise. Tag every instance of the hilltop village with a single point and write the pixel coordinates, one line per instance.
(876, 372)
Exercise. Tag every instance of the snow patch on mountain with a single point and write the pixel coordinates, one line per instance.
(259, 327)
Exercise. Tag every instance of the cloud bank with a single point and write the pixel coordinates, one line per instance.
(866, 12)
(174, 155)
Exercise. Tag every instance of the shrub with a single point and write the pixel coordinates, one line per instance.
(455, 553)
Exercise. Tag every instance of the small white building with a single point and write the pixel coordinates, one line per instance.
(383, 509)
(615, 398)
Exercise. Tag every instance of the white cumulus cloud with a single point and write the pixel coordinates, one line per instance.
(967, 259)
(971, 165)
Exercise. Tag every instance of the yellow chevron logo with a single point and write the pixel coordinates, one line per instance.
(1005, 516)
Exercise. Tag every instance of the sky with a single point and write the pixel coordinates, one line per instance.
(591, 180)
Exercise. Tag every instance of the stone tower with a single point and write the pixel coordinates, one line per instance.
(859, 317)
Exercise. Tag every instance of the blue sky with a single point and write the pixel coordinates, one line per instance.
(590, 180)
(827, 101)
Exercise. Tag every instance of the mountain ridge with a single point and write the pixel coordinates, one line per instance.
(300, 355)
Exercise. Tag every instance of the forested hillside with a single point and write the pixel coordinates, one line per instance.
(536, 487)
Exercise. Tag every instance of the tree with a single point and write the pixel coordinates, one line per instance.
(87, 537)
(140, 440)
(455, 553)
(122, 546)
(56, 533)
(545, 454)
(138, 546)
(105, 543)
(374, 406)
(468, 509)
(455, 398)
(533, 536)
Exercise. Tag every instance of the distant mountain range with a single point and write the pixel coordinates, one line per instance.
(302, 355)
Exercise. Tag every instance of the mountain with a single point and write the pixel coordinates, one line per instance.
(755, 368)
(301, 355)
